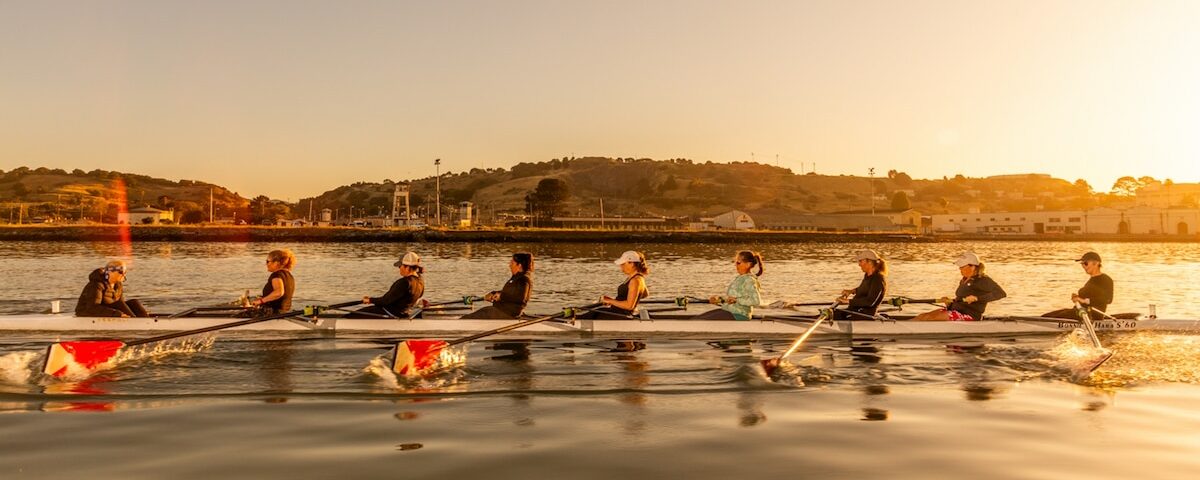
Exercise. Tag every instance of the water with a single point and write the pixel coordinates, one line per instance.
(252, 405)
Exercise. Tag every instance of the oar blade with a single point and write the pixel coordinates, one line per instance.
(1091, 364)
(415, 358)
(79, 356)
(770, 365)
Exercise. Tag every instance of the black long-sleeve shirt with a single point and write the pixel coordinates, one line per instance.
(515, 293)
(869, 294)
(983, 288)
(1099, 291)
(402, 296)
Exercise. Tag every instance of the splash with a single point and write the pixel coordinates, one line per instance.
(380, 368)
(1150, 357)
(140, 353)
(17, 368)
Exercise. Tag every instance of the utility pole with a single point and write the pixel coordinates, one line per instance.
(871, 175)
(210, 205)
(602, 213)
(437, 182)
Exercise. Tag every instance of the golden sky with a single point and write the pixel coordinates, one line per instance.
(291, 98)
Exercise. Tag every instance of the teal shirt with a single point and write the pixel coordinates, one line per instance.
(745, 289)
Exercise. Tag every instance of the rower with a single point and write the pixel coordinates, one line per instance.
(633, 265)
(975, 291)
(509, 302)
(405, 291)
(1096, 294)
(281, 285)
(866, 297)
(742, 295)
(104, 294)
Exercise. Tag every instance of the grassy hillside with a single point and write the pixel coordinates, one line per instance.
(93, 196)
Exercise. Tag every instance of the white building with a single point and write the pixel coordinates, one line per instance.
(1136, 220)
(733, 220)
(145, 215)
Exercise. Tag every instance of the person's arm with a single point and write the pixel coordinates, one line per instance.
(873, 291)
(399, 291)
(276, 291)
(636, 285)
(987, 291)
(517, 292)
(94, 305)
(747, 294)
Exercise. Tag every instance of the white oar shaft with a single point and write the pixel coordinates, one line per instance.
(825, 314)
(1086, 318)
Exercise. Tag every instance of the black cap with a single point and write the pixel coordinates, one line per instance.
(1089, 256)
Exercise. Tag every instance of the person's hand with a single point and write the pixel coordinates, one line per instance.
(842, 300)
(715, 300)
(604, 299)
(945, 300)
(730, 300)
(366, 299)
(847, 293)
(491, 297)
(970, 299)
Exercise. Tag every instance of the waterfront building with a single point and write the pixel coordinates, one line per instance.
(1142, 220)
(145, 215)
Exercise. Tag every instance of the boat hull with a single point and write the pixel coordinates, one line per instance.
(76, 327)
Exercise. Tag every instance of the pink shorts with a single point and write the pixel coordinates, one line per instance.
(954, 316)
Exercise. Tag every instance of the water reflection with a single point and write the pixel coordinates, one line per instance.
(750, 407)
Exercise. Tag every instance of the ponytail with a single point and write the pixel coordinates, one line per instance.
(525, 260)
(753, 258)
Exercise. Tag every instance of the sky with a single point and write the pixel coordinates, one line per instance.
(292, 98)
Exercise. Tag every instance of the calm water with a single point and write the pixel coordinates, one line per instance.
(249, 405)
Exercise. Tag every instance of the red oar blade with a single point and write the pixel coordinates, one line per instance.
(66, 357)
(770, 365)
(415, 358)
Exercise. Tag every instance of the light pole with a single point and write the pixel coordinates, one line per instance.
(871, 175)
(437, 182)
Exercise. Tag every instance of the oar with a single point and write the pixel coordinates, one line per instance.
(787, 304)
(770, 364)
(87, 354)
(413, 358)
(1105, 354)
(900, 302)
(468, 300)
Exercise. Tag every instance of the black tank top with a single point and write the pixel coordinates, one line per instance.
(284, 303)
(623, 292)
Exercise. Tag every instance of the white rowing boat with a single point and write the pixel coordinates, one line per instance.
(783, 324)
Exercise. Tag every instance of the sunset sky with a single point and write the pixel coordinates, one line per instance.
(292, 98)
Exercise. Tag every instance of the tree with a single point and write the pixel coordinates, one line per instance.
(1083, 186)
(902, 179)
(900, 201)
(1126, 186)
(192, 216)
(546, 201)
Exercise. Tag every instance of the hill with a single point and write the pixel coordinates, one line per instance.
(680, 187)
(93, 196)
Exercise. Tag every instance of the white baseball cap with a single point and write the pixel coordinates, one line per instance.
(629, 257)
(967, 258)
(409, 259)
(867, 254)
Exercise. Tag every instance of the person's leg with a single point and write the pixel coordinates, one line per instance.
(1068, 313)
(136, 307)
(939, 315)
(488, 312)
(715, 314)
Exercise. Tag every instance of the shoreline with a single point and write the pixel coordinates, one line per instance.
(161, 233)
(174, 233)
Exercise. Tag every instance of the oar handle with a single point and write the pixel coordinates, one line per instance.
(509, 327)
(466, 300)
(223, 326)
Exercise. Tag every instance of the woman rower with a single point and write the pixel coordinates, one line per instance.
(742, 295)
(104, 294)
(509, 302)
(864, 299)
(633, 265)
(399, 299)
(974, 292)
(281, 285)
(1095, 295)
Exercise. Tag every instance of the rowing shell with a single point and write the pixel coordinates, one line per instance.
(782, 325)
